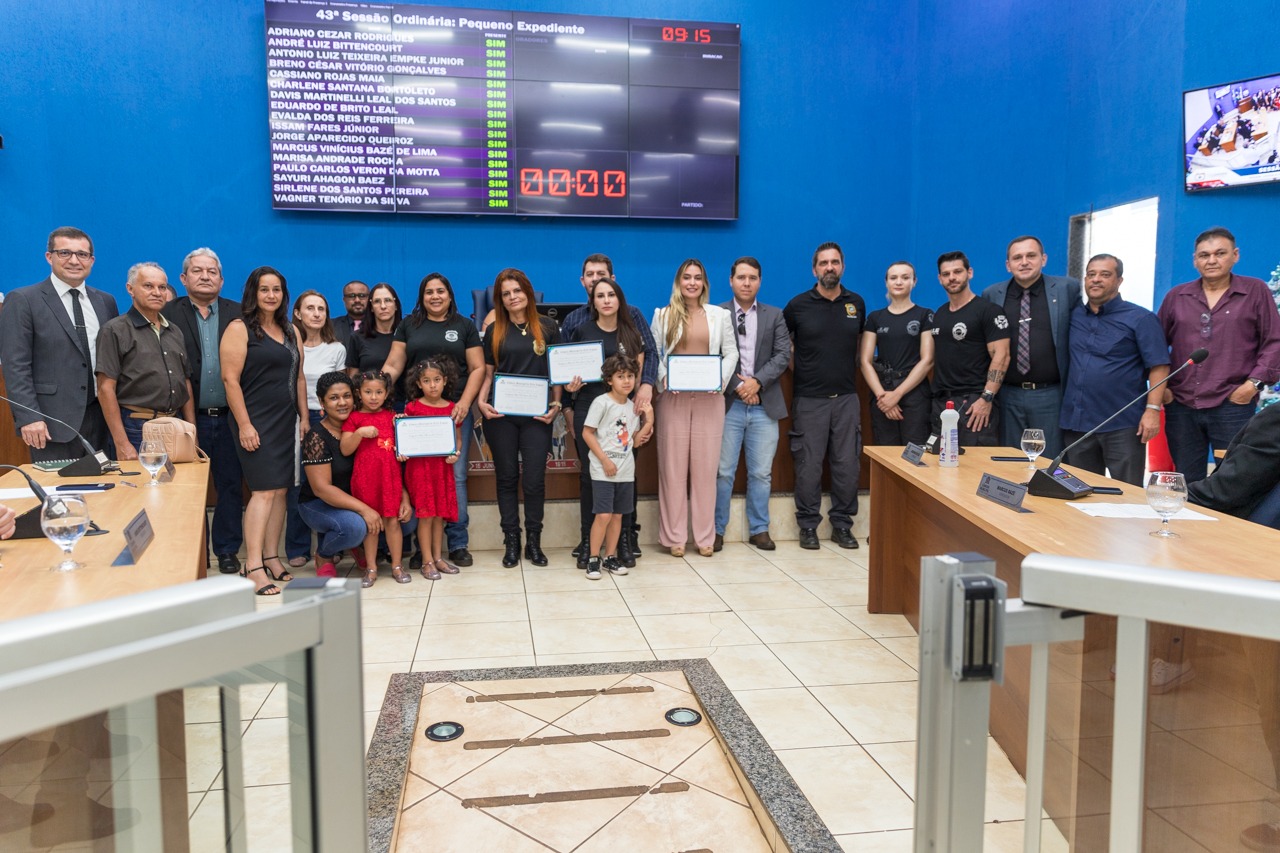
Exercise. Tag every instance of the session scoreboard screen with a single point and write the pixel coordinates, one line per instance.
(428, 109)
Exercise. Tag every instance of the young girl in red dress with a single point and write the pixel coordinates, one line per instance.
(369, 433)
(429, 479)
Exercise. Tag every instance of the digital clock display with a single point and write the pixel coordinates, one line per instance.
(429, 109)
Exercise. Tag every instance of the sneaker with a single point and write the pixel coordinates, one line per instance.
(593, 569)
(1262, 836)
(614, 567)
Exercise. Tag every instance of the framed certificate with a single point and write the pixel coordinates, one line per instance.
(426, 436)
(569, 360)
(693, 373)
(520, 395)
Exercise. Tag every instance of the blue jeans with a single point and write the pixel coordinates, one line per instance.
(217, 440)
(132, 428)
(1192, 431)
(455, 532)
(297, 535)
(750, 426)
(338, 529)
(1023, 409)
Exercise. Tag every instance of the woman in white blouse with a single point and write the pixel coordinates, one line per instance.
(690, 423)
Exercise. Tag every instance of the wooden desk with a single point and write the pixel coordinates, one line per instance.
(176, 556)
(1208, 766)
(28, 587)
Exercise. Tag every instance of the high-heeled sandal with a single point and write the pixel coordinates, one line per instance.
(265, 589)
(283, 577)
(400, 575)
(446, 567)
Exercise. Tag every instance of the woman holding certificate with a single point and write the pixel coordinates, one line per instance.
(698, 354)
(518, 404)
(610, 325)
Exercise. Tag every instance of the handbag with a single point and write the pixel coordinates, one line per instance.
(179, 438)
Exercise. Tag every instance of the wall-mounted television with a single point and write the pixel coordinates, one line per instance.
(1230, 134)
(429, 109)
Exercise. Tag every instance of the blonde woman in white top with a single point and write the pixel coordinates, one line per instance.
(691, 424)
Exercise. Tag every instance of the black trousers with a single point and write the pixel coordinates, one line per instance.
(513, 440)
(93, 427)
(916, 407)
(826, 427)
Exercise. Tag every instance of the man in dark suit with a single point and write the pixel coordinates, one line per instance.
(753, 403)
(48, 341)
(1039, 310)
(203, 316)
(355, 296)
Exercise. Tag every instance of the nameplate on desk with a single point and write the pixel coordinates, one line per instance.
(166, 474)
(914, 453)
(137, 536)
(1003, 492)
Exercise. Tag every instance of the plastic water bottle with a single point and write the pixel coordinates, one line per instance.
(949, 453)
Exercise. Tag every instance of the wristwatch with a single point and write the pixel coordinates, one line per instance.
(1257, 384)
(987, 396)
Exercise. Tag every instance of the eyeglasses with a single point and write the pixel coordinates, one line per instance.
(67, 254)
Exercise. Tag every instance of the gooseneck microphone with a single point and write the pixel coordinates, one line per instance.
(1053, 483)
(27, 524)
(93, 463)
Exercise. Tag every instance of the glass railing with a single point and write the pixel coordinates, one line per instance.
(185, 719)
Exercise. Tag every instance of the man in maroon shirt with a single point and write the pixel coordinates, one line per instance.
(1234, 317)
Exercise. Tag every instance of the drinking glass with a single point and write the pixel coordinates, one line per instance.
(1032, 445)
(152, 455)
(64, 519)
(1166, 494)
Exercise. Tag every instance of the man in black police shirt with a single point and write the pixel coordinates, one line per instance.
(825, 325)
(970, 354)
(355, 296)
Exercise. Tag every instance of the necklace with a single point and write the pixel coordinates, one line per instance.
(524, 330)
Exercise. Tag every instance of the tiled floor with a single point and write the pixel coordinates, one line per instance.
(831, 688)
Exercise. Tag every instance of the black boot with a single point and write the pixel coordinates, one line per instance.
(511, 542)
(626, 556)
(583, 551)
(533, 547)
(635, 540)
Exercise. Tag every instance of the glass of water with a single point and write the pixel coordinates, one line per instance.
(152, 455)
(64, 519)
(1166, 494)
(1033, 445)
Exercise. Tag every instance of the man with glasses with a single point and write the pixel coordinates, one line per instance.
(203, 316)
(1234, 317)
(355, 296)
(48, 341)
(753, 403)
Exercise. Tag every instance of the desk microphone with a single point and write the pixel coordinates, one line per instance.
(93, 463)
(1052, 482)
(27, 525)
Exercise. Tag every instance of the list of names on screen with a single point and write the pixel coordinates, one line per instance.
(430, 109)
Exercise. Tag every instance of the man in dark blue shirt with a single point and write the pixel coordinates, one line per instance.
(1117, 349)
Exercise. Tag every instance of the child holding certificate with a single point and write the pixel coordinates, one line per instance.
(375, 478)
(429, 479)
(612, 430)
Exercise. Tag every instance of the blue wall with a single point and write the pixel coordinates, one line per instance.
(901, 130)
(145, 124)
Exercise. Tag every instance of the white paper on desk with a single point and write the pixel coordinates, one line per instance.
(565, 361)
(1137, 511)
(15, 494)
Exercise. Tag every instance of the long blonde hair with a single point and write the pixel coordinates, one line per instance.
(676, 314)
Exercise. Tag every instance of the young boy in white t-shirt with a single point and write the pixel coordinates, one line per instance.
(612, 429)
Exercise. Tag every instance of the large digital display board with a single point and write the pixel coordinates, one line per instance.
(429, 109)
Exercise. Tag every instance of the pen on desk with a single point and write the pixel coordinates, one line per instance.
(127, 483)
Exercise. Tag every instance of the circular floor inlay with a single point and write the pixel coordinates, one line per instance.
(444, 731)
(683, 717)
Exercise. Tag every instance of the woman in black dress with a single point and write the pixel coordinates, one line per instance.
(368, 348)
(897, 354)
(261, 356)
(517, 344)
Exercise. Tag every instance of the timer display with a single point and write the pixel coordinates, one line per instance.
(701, 35)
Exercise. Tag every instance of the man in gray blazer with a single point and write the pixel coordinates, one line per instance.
(48, 343)
(753, 403)
(1039, 310)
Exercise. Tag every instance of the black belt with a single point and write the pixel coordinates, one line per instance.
(215, 412)
(1032, 386)
(142, 414)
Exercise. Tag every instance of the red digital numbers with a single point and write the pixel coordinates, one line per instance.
(584, 183)
(682, 34)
